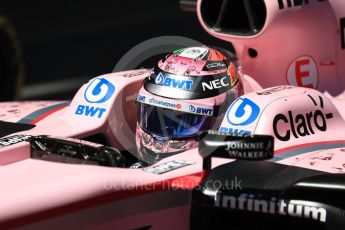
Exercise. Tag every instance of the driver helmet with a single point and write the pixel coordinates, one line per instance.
(186, 93)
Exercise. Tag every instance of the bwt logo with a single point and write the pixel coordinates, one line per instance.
(234, 131)
(242, 112)
(90, 111)
(204, 111)
(141, 98)
(99, 91)
(174, 83)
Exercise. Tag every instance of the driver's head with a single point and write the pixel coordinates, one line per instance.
(187, 92)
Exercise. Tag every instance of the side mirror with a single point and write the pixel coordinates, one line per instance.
(242, 147)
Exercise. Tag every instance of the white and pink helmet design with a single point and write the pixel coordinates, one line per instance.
(187, 92)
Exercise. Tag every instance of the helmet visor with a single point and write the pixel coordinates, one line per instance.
(171, 123)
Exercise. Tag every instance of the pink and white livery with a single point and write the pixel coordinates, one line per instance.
(127, 152)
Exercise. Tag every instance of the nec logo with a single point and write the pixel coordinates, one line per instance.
(204, 111)
(99, 91)
(242, 112)
(215, 84)
(174, 83)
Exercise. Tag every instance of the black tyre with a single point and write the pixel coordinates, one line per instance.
(11, 61)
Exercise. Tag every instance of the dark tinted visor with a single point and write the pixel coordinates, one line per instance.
(171, 123)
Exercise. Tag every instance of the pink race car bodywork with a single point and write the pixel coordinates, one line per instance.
(39, 186)
(307, 124)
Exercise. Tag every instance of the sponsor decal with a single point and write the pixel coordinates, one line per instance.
(172, 82)
(160, 79)
(234, 131)
(90, 111)
(274, 90)
(141, 98)
(254, 147)
(302, 125)
(193, 52)
(167, 166)
(164, 103)
(283, 4)
(202, 110)
(98, 91)
(242, 112)
(261, 203)
(215, 84)
(215, 65)
(198, 110)
(194, 87)
(303, 72)
(13, 140)
(244, 150)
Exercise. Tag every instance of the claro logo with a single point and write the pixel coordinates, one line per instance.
(301, 125)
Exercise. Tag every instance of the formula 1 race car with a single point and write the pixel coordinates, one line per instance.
(274, 159)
